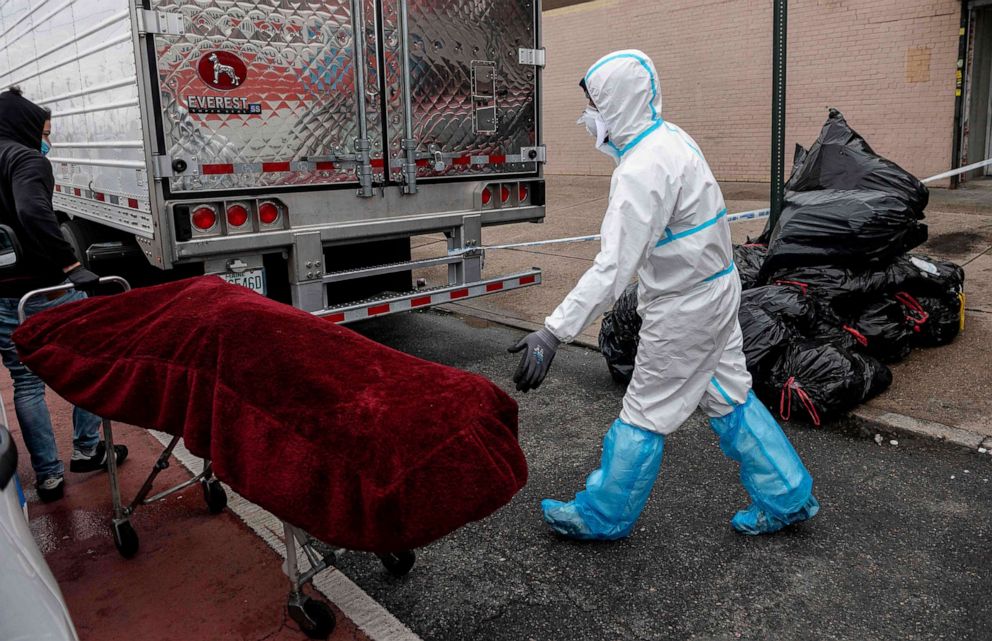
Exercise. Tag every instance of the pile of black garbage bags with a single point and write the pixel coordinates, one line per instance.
(832, 293)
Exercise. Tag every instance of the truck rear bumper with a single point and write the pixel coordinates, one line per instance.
(421, 299)
(344, 233)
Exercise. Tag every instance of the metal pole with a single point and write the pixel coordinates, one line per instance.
(409, 144)
(362, 144)
(779, 58)
(959, 106)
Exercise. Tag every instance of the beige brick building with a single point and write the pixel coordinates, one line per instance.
(889, 65)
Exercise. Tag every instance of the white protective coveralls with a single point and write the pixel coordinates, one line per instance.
(666, 224)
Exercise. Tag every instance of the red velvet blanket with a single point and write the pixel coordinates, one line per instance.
(361, 445)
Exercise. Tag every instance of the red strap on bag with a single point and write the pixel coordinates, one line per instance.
(861, 338)
(917, 315)
(785, 401)
(803, 286)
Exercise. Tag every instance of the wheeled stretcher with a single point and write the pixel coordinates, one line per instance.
(357, 456)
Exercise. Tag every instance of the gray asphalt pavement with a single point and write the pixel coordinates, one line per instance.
(902, 548)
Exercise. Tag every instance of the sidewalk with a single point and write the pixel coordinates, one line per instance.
(937, 392)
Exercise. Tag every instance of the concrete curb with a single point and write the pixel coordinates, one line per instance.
(865, 420)
(465, 311)
(875, 420)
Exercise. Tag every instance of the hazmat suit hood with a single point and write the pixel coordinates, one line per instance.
(21, 120)
(625, 88)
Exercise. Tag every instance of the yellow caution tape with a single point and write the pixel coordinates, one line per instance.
(961, 312)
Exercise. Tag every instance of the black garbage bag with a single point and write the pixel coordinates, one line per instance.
(787, 302)
(846, 289)
(932, 292)
(824, 380)
(843, 228)
(766, 335)
(798, 158)
(923, 276)
(749, 259)
(842, 159)
(944, 320)
(888, 329)
(850, 289)
(829, 328)
(618, 335)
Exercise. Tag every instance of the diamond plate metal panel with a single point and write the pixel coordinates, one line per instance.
(299, 60)
(446, 38)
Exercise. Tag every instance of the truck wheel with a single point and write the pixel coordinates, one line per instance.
(79, 237)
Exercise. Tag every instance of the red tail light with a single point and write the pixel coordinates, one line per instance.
(523, 193)
(204, 218)
(504, 193)
(237, 215)
(487, 196)
(268, 213)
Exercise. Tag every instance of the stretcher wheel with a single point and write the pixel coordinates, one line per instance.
(215, 496)
(125, 539)
(327, 554)
(315, 618)
(398, 563)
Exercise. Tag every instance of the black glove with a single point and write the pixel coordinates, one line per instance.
(83, 279)
(536, 361)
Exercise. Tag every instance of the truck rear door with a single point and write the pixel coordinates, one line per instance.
(264, 94)
(344, 92)
(463, 104)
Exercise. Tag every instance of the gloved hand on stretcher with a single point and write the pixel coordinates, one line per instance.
(541, 347)
(83, 279)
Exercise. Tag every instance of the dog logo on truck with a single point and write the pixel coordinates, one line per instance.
(222, 70)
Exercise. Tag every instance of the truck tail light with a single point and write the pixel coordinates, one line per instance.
(487, 196)
(204, 217)
(504, 193)
(269, 213)
(522, 193)
(237, 215)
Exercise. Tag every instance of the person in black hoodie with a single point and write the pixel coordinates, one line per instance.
(26, 185)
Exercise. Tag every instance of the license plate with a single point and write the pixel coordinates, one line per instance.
(253, 279)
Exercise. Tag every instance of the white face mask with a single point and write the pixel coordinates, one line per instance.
(596, 126)
(588, 118)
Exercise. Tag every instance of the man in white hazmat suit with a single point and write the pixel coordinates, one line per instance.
(665, 224)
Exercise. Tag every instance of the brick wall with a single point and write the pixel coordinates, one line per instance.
(889, 65)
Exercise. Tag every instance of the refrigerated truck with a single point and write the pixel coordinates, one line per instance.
(295, 147)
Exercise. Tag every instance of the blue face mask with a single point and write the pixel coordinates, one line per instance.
(45, 148)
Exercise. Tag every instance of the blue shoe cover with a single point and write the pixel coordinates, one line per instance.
(780, 486)
(754, 521)
(616, 493)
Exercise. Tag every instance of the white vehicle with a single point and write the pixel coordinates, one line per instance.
(30, 598)
(291, 147)
(31, 604)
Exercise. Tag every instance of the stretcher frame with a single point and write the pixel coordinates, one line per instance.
(316, 619)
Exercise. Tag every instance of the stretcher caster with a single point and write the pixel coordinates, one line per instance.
(125, 539)
(315, 618)
(328, 555)
(398, 563)
(215, 496)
